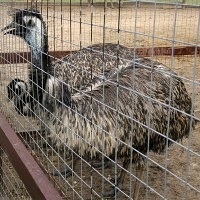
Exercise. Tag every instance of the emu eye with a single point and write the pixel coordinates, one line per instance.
(18, 21)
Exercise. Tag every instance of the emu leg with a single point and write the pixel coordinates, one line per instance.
(120, 180)
(139, 174)
(100, 165)
(67, 172)
(111, 3)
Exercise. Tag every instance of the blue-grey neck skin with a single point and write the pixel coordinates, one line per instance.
(36, 38)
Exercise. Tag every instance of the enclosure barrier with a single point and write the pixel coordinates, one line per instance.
(138, 3)
(158, 30)
(36, 182)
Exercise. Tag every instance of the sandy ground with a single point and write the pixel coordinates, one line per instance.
(181, 163)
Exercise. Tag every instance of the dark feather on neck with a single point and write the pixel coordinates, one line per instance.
(41, 68)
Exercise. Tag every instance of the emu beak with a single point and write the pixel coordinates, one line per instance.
(10, 29)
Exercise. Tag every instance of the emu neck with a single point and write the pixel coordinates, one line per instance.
(37, 39)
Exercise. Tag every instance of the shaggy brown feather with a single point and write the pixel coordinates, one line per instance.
(144, 106)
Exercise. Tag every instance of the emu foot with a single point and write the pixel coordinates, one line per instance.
(111, 193)
(100, 165)
(66, 172)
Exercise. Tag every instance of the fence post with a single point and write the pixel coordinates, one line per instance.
(183, 2)
(138, 4)
(1, 173)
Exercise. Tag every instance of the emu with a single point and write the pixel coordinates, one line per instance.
(143, 106)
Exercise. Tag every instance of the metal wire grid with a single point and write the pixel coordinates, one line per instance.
(88, 182)
(11, 186)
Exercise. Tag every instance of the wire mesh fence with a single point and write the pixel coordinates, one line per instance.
(11, 185)
(95, 114)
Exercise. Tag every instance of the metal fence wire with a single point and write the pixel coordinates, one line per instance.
(105, 96)
(11, 185)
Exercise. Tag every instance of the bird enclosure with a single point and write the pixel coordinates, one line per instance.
(106, 99)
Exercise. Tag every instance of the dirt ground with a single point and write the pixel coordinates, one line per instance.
(181, 162)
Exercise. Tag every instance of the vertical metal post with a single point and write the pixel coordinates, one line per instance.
(183, 2)
(138, 4)
(1, 172)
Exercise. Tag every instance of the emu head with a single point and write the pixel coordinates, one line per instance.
(29, 25)
(16, 87)
(17, 90)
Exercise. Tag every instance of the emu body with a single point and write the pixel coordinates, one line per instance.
(143, 107)
(130, 98)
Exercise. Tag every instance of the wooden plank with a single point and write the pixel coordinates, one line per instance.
(168, 51)
(1, 173)
(23, 57)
